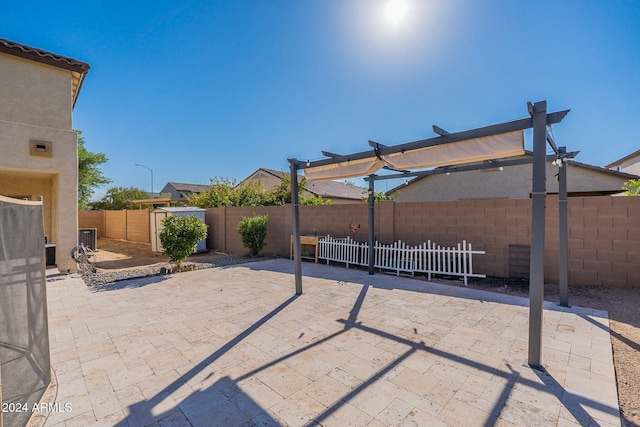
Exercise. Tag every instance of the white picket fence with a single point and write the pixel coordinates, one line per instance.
(400, 258)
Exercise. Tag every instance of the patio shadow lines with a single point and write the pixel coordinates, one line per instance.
(634, 345)
(572, 402)
(224, 392)
(147, 405)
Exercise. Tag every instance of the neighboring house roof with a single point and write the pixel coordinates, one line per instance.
(78, 69)
(192, 188)
(327, 189)
(600, 169)
(342, 190)
(623, 160)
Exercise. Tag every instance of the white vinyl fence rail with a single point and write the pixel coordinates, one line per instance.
(399, 257)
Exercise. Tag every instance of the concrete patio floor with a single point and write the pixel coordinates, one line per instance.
(234, 346)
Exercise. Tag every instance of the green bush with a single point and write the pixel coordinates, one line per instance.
(180, 236)
(253, 231)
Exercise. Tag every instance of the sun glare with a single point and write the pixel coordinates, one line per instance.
(396, 11)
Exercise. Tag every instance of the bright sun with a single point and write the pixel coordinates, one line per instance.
(395, 11)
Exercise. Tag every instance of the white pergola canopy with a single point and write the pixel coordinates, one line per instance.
(462, 151)
(509, 144)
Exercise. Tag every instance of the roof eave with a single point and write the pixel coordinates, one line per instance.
(78, 68)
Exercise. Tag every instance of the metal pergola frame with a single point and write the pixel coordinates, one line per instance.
(539, 120)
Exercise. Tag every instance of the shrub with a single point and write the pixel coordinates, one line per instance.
(632, 187)
(180, 236)
(253, 231)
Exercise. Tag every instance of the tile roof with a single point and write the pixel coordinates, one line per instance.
(78, 68)
(43, 56)
(194, 188)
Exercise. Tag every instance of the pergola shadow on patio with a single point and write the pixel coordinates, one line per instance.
(233, 347)
(498, 145)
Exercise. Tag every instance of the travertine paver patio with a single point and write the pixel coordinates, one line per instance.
(233, 346)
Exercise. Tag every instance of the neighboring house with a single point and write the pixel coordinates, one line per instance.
(628, 164)
(512, 182)
(180, 191)
(337, 192)
(39, 148)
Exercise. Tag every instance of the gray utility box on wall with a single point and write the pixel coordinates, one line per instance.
(157, 215)
(88, 237)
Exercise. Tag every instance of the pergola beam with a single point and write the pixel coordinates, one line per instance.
(464, 168)
(552, 143)
(330, 154)
(515, 125)
(439, 130)
(539, 121)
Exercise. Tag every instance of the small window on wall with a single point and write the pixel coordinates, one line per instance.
(40, 148)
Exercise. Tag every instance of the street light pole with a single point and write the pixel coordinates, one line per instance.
(151, 170)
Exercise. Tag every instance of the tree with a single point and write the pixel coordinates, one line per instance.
(180, 235)
(253, 231)
(379, 197)
(282, 193)
(118, 198)
(225, 192)
(89, 174)
(632, 187)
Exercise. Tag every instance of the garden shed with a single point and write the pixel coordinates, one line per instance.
(157, 215)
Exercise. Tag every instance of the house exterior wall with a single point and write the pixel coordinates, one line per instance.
(171, 191)
(54, 178)
(40, 94)
(268, 181)
(631, 166)
(513, 182)
(40, 110)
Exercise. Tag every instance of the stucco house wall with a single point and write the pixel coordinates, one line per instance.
(180, 191)
(512, 182)
(39, 148)
(628, 164)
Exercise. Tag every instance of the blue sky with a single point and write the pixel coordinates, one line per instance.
(198, 89)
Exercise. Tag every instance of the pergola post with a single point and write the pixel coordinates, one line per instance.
(563, 231)
(296, 227)
(536, 272)
(372, 239)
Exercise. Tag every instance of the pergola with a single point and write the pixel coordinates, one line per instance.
(487, 147)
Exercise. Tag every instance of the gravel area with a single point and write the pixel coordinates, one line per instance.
(108, 277)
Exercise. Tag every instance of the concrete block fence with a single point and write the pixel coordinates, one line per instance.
(604, 232)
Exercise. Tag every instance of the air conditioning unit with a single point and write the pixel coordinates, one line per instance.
(88, 237)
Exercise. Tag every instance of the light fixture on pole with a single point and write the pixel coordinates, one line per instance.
(151, 170)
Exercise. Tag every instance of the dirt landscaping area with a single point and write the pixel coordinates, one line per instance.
(115, 255)
(623, 306)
